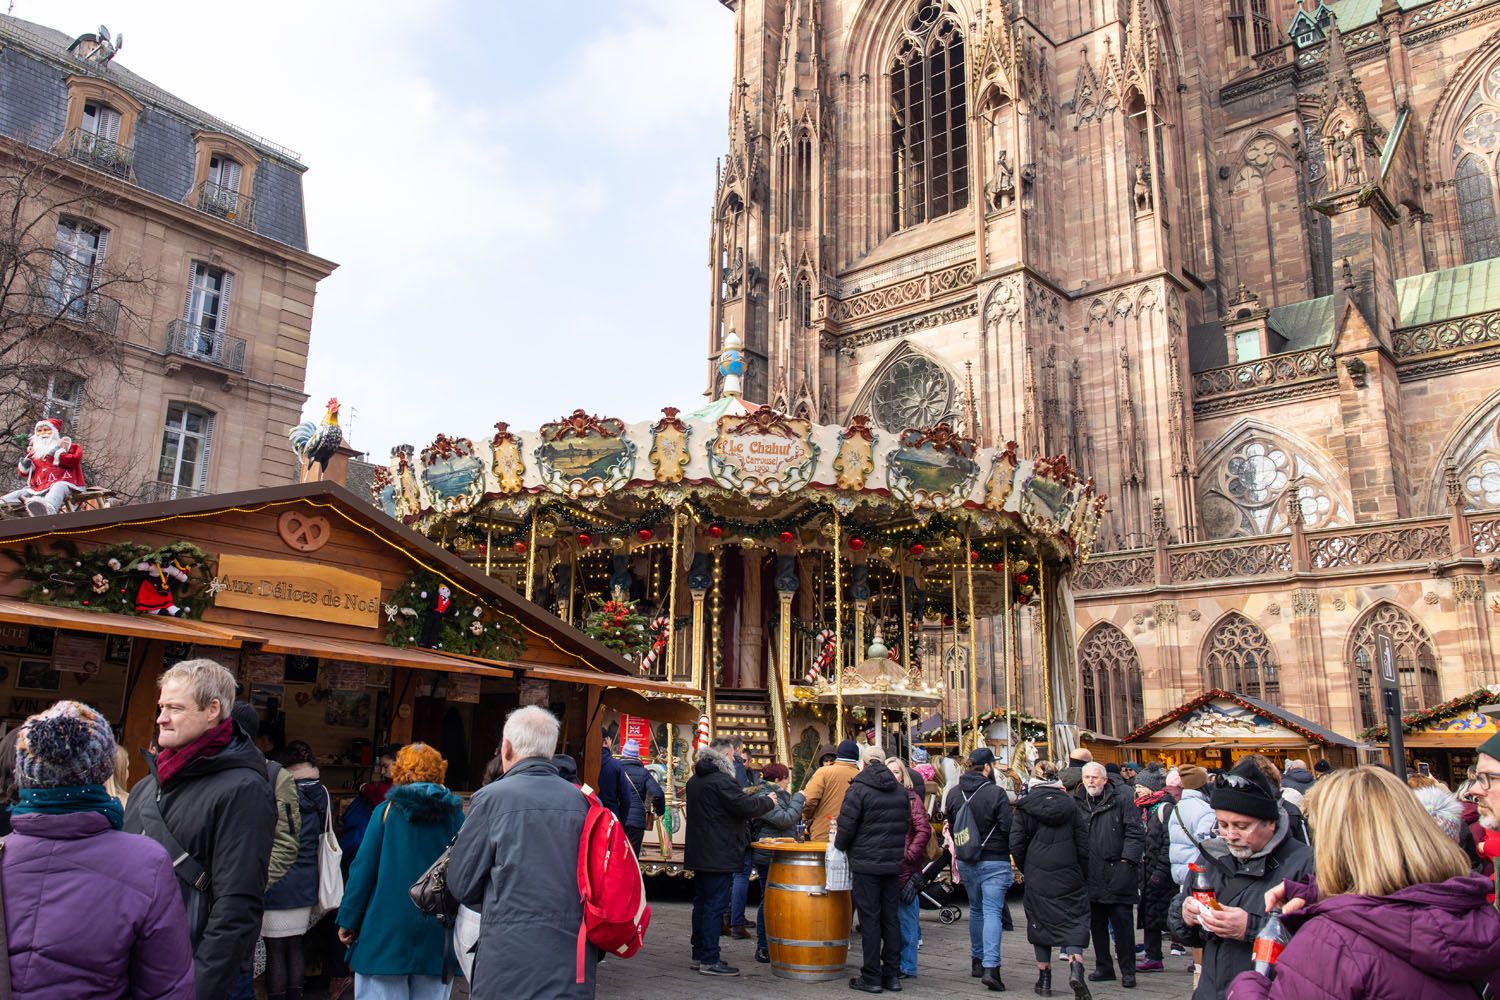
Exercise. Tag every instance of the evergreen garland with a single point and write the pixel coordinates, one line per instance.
(470, 626)
(108, 577)
(617, 625)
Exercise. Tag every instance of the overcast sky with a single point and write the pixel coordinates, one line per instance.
(517, 192)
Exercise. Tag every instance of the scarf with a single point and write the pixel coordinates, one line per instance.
(71, 799)
(173, 759)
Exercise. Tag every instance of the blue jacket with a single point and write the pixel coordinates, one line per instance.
(645, 789)
(615, 790)
(1192, 815)
(405, 836)
(299, 886)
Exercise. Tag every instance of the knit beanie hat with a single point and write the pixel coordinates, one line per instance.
(1193, 776)
(1323, 767)
(1152, 777)
(848, 750)
(419, 762)
(919, 756)
(1247, 791)
(631, 749)
(1112, 768)
(1490, 748)
(69, 744)
(775, 772)
(1174, 778)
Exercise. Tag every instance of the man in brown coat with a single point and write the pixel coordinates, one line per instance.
(824, 794)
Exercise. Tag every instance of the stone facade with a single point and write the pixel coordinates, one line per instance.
(1239, 268)
(178, 196)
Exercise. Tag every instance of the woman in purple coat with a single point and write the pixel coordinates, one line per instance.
(1393, 912)
(91, 913)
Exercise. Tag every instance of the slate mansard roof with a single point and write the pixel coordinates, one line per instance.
(34, 68)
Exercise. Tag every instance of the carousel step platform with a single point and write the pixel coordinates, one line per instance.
(746, 713)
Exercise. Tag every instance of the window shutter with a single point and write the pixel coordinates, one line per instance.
(97, 279)
(229, 175)
(227, 287)
(109, 124)
(192, 288)
(208, 441)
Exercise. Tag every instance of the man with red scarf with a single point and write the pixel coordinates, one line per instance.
(209, 802)
(52, 467)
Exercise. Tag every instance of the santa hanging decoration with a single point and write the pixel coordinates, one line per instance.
(52, 468)
(441, 604)
(154, 596)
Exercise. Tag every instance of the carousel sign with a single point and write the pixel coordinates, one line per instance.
(763, 452)
(585, 456)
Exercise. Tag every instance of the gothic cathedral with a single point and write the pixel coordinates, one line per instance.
(1234, 259)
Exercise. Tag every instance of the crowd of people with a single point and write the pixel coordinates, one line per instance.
(1365, 885)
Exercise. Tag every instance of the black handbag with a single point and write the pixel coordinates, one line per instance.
(430, 893)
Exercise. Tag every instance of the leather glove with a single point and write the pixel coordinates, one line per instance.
(913, 886)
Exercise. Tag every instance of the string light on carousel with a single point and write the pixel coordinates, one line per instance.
(798, 569)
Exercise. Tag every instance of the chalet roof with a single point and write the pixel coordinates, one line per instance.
(370, 518)
(1277, 714)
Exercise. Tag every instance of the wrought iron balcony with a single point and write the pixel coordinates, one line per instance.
(51, 301)
(207, 347)
(158, 492)
(100, 153)
(227, 204)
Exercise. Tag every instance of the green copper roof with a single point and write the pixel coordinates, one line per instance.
(1304, 324)
(1439, 295)
(1358, 13)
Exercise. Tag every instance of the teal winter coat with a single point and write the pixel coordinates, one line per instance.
(405, 836)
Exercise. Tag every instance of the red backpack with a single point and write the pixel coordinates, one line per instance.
(615, 914)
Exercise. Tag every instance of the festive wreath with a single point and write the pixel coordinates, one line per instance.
(617, 625)
(465, 625)
(126, 578)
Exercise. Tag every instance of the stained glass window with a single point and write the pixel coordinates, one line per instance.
(1110, 682)
(1239, 658)
(1416, 662)
(913, 392)
(929, 118)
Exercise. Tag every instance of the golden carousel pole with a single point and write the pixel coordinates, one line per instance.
(671, 789)
(1010, 719)
(1041, 569)
(531, 553)
(906, 654)
(489, 540)
(958, 705)
(973, 654)
(838, 629)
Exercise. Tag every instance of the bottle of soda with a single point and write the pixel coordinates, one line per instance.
(1201, 888)
(1269, 943)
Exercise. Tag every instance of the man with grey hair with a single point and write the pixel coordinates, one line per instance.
(209, 802)
(1117, 843)
(516, 861)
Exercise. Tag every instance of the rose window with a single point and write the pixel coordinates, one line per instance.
(913, 392)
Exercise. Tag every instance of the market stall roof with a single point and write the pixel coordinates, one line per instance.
(593, 678)
(139, 627)
(1233, 719)
(1459, 723)
(333, 500)
(411, 657)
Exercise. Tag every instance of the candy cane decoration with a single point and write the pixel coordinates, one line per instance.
(700, 739)
(824, 658)
(659, 630)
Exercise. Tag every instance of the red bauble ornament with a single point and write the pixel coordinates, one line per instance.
(973, 556)
(715, 531)
(1023, 578)
(856, 543)
(918, 548)
(585, 539)
(998, 567)
(787, 537)
(947, 619)
(520, 547)
(644, 534)
(1024, 599)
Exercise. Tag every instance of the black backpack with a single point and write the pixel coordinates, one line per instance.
(964, 827)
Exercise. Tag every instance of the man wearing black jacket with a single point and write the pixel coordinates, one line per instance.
(209, 793)
(872, 831)
(988, 879)
(718, 838)
(1117, 842)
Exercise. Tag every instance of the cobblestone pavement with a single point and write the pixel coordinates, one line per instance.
(661, 970)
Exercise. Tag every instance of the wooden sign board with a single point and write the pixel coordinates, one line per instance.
(297, 590)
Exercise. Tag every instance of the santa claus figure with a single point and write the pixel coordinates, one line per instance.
(52, 467)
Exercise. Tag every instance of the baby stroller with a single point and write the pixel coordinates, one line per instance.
(938, 891)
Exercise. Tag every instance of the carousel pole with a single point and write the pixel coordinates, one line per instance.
(1010, 719)
(958, 706)
(711, 675)
(697, 654)
(489, 539)
(531, 554)
(671, 664)
(1041, 569)
(973, 653)
(838, 629)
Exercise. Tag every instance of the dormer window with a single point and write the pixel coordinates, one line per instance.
(224, 177)
(101, 121)
(100, 126)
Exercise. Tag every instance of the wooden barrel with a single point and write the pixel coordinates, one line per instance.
(807, 928)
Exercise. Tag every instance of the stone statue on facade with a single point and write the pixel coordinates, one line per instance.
(1002, 190)
(1142, 188)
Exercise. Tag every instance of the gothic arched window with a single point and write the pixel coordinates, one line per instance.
(1247, 491)
(1475, 149)
(802, 195)
(1112, 697)
(1416, 662)
(1238, 658)
(929, 117)
(913, 391)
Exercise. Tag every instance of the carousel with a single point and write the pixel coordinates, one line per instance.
(799, 581)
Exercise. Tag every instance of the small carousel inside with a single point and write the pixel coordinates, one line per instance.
(801, 582)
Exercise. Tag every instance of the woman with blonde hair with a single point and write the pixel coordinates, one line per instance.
(918, 833)
(1393, 911)
(118, 784)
